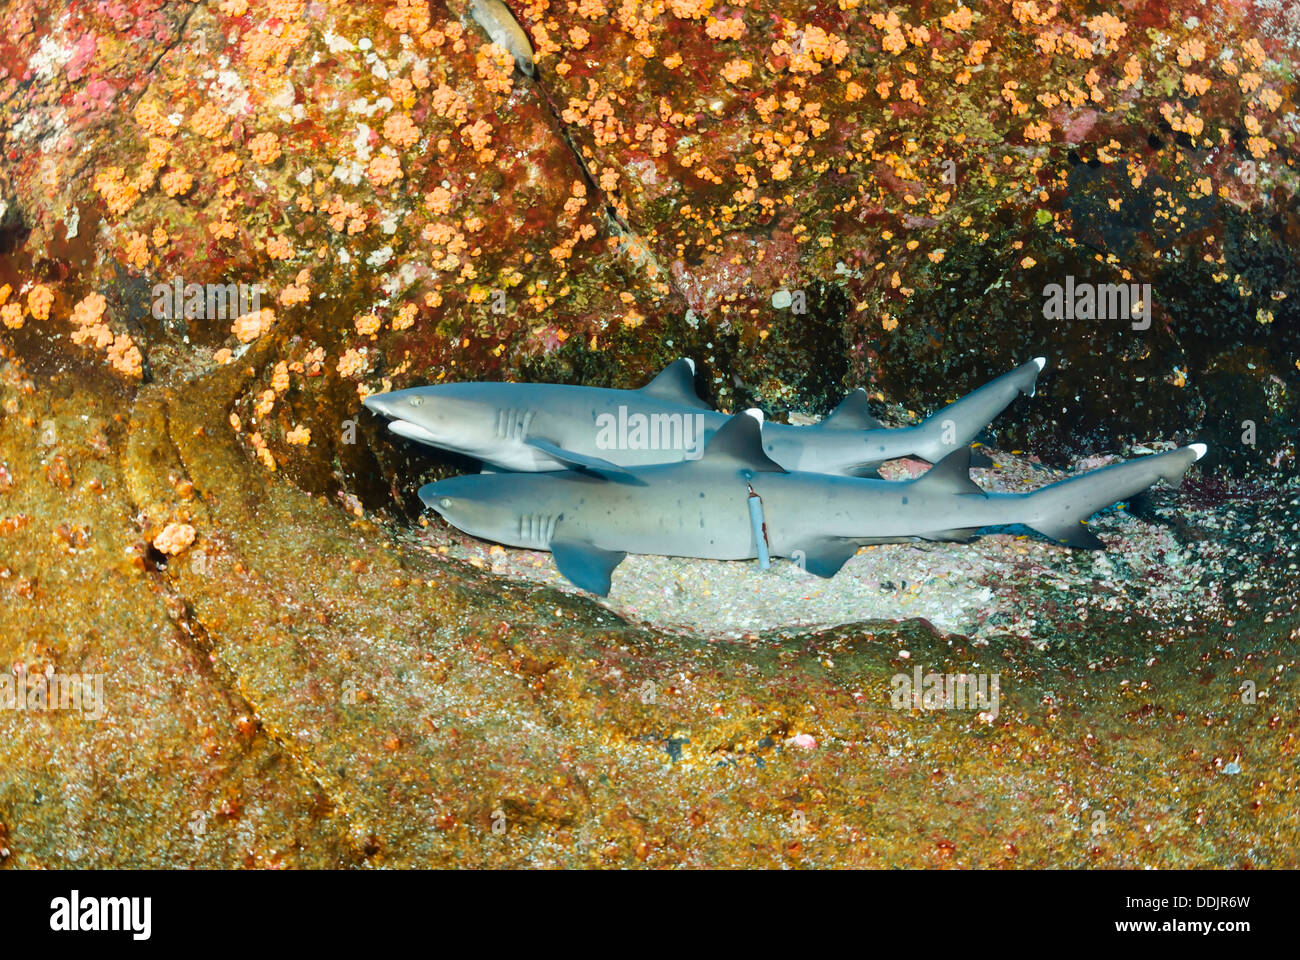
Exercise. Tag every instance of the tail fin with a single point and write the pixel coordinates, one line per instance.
(957, 424)
(1059, 511)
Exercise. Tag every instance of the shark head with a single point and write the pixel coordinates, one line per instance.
(430, 415)
(473, 504)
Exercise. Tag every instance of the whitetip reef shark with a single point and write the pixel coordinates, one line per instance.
(591, 519)
(533, 427)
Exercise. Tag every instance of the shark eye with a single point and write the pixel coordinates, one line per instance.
(415, 401)
(444, 502)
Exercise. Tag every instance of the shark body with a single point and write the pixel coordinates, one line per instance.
(531, 427)
(591, 519)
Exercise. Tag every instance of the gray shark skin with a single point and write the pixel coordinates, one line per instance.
(591, 519)
(532, 427)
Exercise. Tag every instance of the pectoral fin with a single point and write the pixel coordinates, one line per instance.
(585, 565)
(960, 535)
(581, 461)
(1072, 533)
(824, 557)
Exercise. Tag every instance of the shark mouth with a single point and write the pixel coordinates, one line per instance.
(412, 431)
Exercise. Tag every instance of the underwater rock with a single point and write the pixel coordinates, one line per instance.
(319, 680)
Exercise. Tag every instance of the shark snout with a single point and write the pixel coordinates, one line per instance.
(435, 497)
(397, 408)
(379, 403)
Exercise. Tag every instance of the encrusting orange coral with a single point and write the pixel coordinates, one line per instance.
(265, 148)
(250, 326)
(384, 169)
(39, 300)
(174, 538)
(176, 182)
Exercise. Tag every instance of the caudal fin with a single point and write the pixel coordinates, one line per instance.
(957, 424)
(1059, 511)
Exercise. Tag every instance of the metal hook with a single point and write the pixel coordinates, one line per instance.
(759, 526)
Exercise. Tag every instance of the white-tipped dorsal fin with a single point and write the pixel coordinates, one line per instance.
(740, 440)
(1199, 449)
(1041, 361)
(676, 384)
(756, 413)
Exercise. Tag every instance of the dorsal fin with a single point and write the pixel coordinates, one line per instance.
(853, 414)
(950, 475)
(676, 383)
(740, 440)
